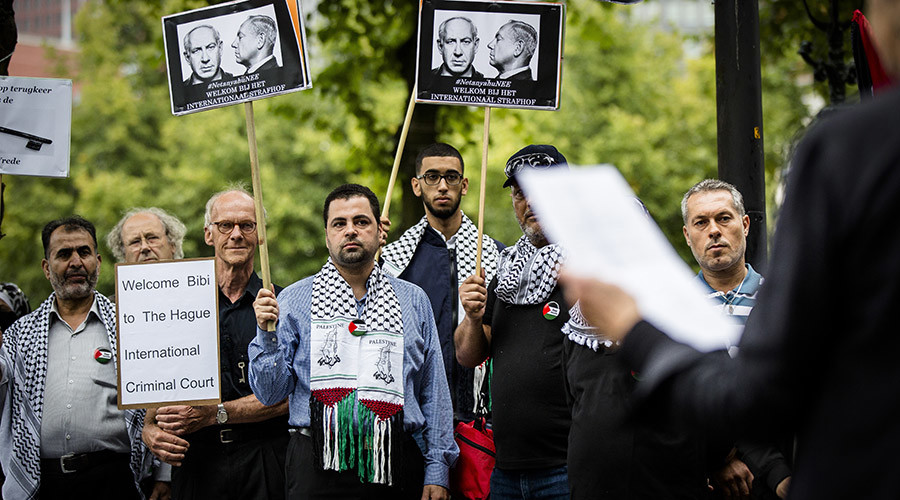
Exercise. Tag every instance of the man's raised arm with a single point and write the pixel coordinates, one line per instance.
(472, 338)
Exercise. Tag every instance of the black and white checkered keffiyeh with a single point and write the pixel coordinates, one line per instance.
(527, 274)
(579, 331)
(333, 297)
(24, 352)
(398, 254)
(15, 298)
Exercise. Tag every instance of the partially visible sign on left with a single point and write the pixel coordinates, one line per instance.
(35, 126)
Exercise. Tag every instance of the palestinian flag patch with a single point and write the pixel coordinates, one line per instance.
(357, 327)
(551, 310)
(102, 355)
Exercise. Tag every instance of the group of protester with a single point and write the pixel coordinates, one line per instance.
(356, 391)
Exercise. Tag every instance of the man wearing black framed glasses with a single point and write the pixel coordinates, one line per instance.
(438, 254)
(236, 449)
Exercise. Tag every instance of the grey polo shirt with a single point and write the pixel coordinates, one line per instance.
(80, 413)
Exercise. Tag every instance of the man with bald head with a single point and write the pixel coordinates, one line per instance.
(234, 450)
(147, 235)
(203, 51)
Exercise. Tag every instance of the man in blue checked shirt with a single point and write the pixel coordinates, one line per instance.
(357, 352)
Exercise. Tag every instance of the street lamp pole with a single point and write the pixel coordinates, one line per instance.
(739, 115)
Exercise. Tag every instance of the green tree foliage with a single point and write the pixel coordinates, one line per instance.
(786, 26)
(630, 98)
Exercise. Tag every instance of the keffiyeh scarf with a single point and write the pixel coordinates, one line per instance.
(398, 254)
(15, 298)
(579, 331)
(356, 376)
(527, 274)
(24, 353)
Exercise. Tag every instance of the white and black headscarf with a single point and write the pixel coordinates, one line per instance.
(398, 254)
(527, 274)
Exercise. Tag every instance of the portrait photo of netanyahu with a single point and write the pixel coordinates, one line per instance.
(487, 53)
(234, 52)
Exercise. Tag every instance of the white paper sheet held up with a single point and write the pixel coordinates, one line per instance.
(592, 213)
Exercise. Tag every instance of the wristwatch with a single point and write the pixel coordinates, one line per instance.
(221, 415)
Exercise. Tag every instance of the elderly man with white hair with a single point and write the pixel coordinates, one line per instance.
(147, 235)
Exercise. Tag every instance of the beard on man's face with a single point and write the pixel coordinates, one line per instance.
(534, 233)
(69, 291)
(442, 213)
(354, 257)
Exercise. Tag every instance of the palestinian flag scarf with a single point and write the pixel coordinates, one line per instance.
(356, 376)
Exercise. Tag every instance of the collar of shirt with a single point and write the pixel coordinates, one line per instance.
(55, 316)
(256, 66)
(361, 305)
(250, 291)
(451, 243)
(514, 72)
(748, 286)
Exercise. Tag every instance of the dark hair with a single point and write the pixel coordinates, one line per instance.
(72, 223)
(347, 191)
(439, 149)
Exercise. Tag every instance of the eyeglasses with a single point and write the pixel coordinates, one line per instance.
(533, 160)
(434, 178)
(227, 226)
(151, 239)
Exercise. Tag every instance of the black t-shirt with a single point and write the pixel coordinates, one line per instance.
(531, 418)
(610, 457)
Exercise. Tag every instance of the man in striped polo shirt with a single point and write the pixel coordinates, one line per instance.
(715, 228)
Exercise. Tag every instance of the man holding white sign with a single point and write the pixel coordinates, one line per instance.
(357, 351)
(147, 235)
(62, 434)
(236, 449)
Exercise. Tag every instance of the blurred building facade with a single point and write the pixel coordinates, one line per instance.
(47, 45)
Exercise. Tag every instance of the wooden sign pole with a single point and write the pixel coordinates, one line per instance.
(1, 205)
(385, 209)
(484, 166)
(396, 168)
(258, 202)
